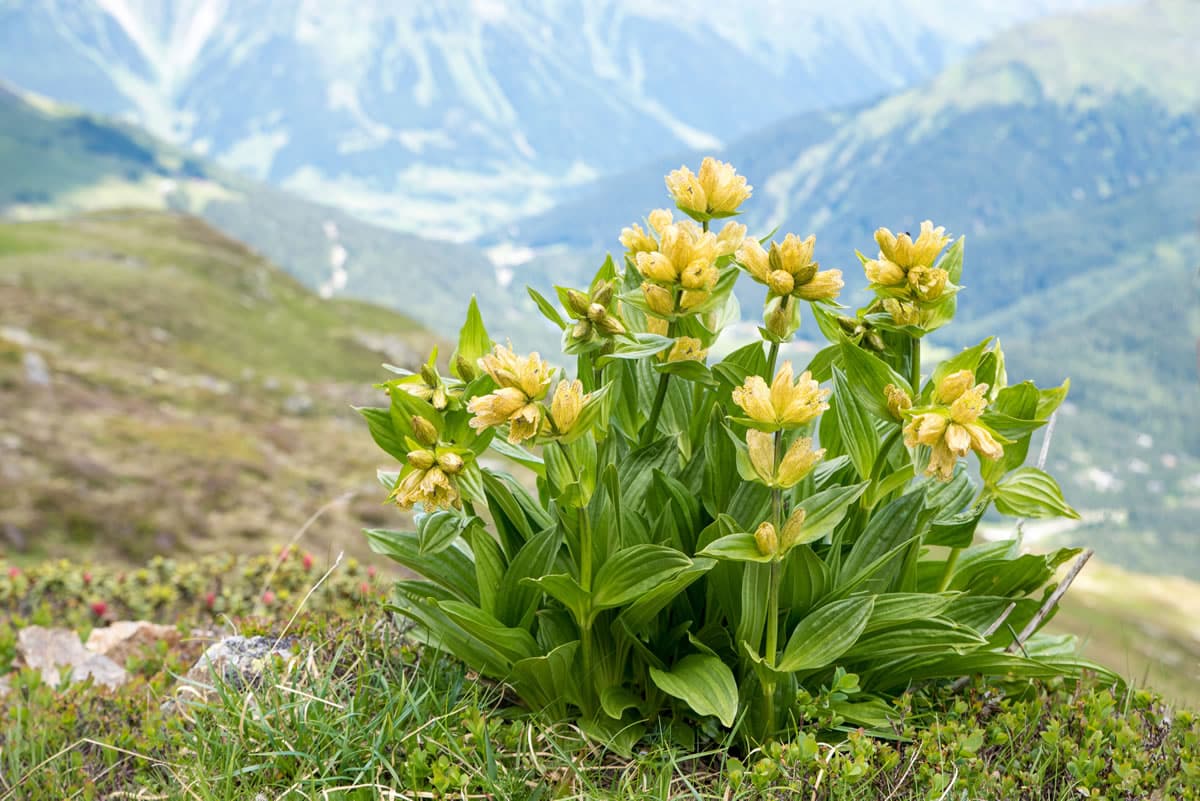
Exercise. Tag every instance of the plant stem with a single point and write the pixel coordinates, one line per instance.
(915, 375)
(948, 570)
(772, 646)
(772, 357)
(655, 410)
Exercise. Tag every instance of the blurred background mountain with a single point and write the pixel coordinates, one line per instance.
(175, 381)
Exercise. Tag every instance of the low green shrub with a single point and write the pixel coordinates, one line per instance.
(722, 540)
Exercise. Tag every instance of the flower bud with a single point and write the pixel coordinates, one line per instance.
(792, 529)
(875, 342)
(429, 375)
(761, 448)
(660, 300)
(882, 271)
(825, 285)
(566, 405)
(952, 386)
(696, 275)
(603, 294)
(898, 401)
(903, 312)
(928, 282)
(422, 460)
(596, 312)
(610, 326)
(781, 282)
(798, 462)
(424, 431)
(780, 319)
(766, 539)
(690, 298)
(775, 258)
(581, 330)
(467, 371)
(578, 302)
(450, 462)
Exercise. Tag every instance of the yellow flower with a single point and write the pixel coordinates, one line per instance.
(898, 401)
(431, 488)
(928, 283)
(656, 267)
(786, 403)
(691, 298)
(730, 238)
(529, 373)
(902, 251)
(797, 463)
(941, 462)
(794, 255)
(657, 325)
(660, 219)
(422, 459)
(952, 386)
(566, 405)
(687, 349)
(781, 282)
(925, 429)
(766, 539)
(752, 256)
(424, 431)
(884, 272)
(903, 312)
(792, 529)
(718, 189)
(825, 285)
(506, 405)
(636, 240)
(967, 407)
(699, 275)
(660, 300)
(450, 463)
(761, 448)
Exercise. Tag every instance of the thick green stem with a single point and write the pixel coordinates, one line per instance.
(772, 645)
(948, 570)
(772, 357)
(655, 410)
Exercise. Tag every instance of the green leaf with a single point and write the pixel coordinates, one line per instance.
(896, 523)
(519, 455)
(383, 431)
(1030, 492)
(923, 637)
(857, 428)
(966, 359)
(740, 547)
(616, 699)
(822, 364)
(438, 531)
(473, 340)
(893, 608)
(489, 565)
(823, 636)
(868, 377)
(516, 601)
(690, 370)
(704, 683)
(547, 683)
(450, 568)
(632, 572)
(546, 308)
(1050, 399)
(826, 509)
(513, 643)
(952, 261)
(641, 612)
(565, 590)
(642, 346)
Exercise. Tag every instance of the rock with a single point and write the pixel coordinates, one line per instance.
(52, 651)
(240, 661)
(125, 638)
(37, 372)
(298, 405)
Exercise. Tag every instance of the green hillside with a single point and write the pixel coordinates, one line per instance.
(166, 389)
(55, 160)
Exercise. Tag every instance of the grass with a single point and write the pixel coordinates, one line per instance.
(365, 714)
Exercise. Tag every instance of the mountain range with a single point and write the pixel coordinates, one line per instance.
(451, 117)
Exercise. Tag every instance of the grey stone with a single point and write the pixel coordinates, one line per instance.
(125, 638)
(240, 661)
(37, 372)
(54, 651)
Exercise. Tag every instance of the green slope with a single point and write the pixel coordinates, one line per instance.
(195, 397)
(55, 160)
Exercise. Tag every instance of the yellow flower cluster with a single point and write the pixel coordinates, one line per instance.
(904, 273)
(788, 268)
(953, 430)
(787, 403)
(680, 265)
(717, 191)
(521, 382)
(797, 463)
(428, 478)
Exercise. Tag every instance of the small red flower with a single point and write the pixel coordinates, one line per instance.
(364, 588)
(13, 572)
(87, 577)
(308, 561)
(99, 608)
(370, 571)
(268, 597)
(210, 599)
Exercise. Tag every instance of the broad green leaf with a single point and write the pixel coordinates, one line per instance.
(1050, 399)
(824, 635)
(1030, 492)
(450, 568)
(632, 572)
(920, 637)
(642, 611)
(822, 364)
(693, 371)
(473, 340)
(438, 531)
(565, 590)
(952, 260)
(615, 700)
(894, 524)
(704, 683)
(437, 631)
(857, 427)
(893, 608)
(383, 431)
(826, 509)
(868, 377)
(516, 601)
(740, 547)
(513, 643)
(489, 565)
(548, 683)
(519, 455)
